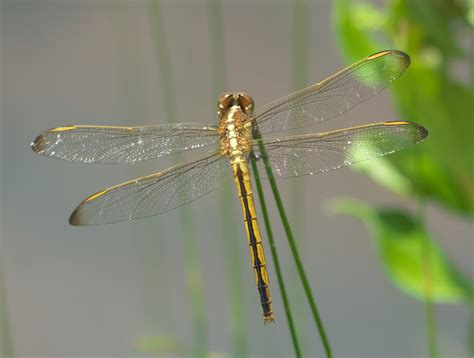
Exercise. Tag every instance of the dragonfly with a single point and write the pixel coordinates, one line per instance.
(232, 143)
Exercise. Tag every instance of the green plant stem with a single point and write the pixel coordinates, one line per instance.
(192, 270)
(300, 43)
(276, 260)
(293, 247)
(430, 308)
(300, 66)
(152, 254)
(470, 333)
(194, 285)
(6, 346)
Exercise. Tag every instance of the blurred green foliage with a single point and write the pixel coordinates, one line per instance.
(400, 239)
(160, 344)
(166, 346)
(435, 91)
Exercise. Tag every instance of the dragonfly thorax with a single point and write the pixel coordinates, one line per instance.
(234, 114)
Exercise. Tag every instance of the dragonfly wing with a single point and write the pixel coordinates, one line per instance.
(153, 194)
(320, 152)
(335, 95)
(109, 144)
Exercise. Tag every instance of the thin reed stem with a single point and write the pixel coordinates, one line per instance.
(294, 250)
(430, 308)
(300, 75)
(470, 333)
(6, 346)
(191, 259)
(276, 260)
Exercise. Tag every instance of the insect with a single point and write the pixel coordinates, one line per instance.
(232, 143)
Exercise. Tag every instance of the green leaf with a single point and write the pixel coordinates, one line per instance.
(470, 13)
(441, 168)
(159, 344)
(369, 17)
(350, 30)
(217, 355)
(386, 174)
(434, 19)
(400, 241)
(164, 345)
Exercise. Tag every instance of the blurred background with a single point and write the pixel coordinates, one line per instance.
(396, 266)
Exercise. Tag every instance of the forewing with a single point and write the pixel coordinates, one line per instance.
(153, 194)
(320, 152)
(335, 95)
(108, 144)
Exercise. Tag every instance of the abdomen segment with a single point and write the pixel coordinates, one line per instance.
(244, 187)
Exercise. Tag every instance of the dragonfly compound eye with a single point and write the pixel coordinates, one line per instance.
(225, 101)
(245, 101)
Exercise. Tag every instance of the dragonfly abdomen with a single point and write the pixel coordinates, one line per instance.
(244, 187)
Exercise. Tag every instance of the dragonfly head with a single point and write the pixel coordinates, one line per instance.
(230, 99)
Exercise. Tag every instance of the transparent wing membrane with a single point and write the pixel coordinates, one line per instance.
(288, 156)
(335, 95)
(108, 144)
(154, 194)
(309, 154)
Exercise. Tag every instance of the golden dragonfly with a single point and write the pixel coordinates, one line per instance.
(232, 142)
